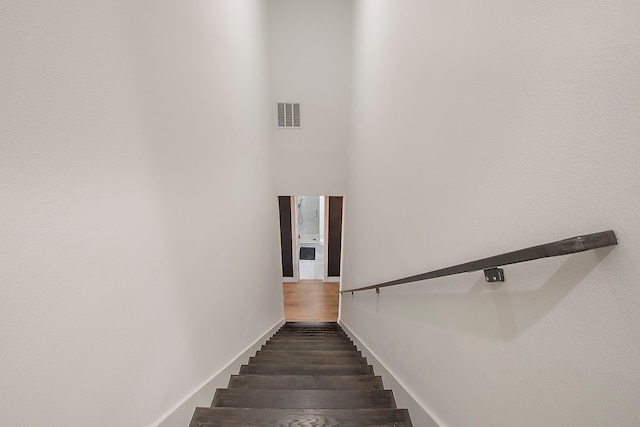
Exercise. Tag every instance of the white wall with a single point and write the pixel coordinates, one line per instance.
(136, 170)
(480, 128)
(310, 59)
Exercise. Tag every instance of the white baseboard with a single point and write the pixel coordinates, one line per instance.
(420, 416)
(181, 414)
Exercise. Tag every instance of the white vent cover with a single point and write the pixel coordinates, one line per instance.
(288, 115)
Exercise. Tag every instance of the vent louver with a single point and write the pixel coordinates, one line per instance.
(288, 115)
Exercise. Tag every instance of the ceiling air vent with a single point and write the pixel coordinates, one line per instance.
(288, 115)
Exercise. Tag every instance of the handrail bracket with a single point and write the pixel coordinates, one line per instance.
(494, 274)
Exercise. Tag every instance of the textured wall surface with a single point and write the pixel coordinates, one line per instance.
(310, 60)
(480, 128)
(136, 173)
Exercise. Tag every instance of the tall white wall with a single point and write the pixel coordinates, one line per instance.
(310, 60)
(485, 127)
(136, 176)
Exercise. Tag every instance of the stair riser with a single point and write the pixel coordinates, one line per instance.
(306, 382)
(310, 340)
(311, 332)
(287, 347)
(218, 417)
(307, 369)
(310, 325)
(310, 337)
(308, 352)
(304, 399)
(307, 360)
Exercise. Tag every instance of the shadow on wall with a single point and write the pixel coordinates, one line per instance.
(492, 312)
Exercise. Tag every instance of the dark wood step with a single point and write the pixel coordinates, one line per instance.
(312, 329)
(304, 399)
(248, 417)
(308, 352)
(269, 369)
(322, 340)
(311, 324)
(307, 382)
(310, 344)
(315, 338)
(294, 347)
(309, 336)
(318, 345)
(307, 374)
(292, 327)
(311, 332)
(306, 360)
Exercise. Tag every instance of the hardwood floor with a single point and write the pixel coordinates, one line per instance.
(311, 301)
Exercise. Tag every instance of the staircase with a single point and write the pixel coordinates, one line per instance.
(307, 374)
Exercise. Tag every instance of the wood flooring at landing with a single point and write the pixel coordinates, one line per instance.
(311, 301)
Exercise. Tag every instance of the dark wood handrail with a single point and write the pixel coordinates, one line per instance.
(558, 248)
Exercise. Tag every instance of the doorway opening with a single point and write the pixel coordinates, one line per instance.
(310, 232)
(311, 237)
(311, 244)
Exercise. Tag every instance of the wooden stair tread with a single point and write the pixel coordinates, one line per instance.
(294, 347)
(307, 360)
(329, 334)
(308, 352)
(279, 345)
(250, 417)
(306, 382)
(305, 341)
(310, 327)
(321, 340)
(309, 337)
(307, 369)
(307, 374)
(304, 399)
(311, 324)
